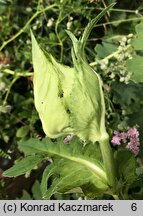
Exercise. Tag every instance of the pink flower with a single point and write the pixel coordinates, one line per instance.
(116, 133)
(116, 140)
(134, 149)
(130, 138)
(133, 132)
(123, 136)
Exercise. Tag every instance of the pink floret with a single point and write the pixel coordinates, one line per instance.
(116, 140)
(130, 138)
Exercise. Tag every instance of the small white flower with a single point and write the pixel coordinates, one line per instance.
(50, 22)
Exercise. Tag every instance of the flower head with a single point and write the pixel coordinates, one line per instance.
(116, 140)
(129, 138)
(132, 133)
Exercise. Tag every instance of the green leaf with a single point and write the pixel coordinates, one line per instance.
(135, 66)
(69, 175)
(88, 156)
(105, 49)
(25, 196)
(22, 132)
(36, 191)
(138, 41)
(74, 165)
(48, 172)
(126, 166)
(126, 95)
(34, 146)
(23, 166)
(91, 191)
(137, 189)
(81, 164)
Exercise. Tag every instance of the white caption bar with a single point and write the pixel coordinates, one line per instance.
(71, 207)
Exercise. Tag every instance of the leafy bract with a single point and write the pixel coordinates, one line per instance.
(48, 91)
(87, 100)
(69, 100)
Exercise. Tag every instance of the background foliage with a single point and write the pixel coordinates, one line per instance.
(114, 49)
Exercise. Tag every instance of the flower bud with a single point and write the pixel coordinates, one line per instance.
(69, 100)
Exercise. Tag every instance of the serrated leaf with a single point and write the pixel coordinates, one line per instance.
(74, 165)
(74, 152)
(34, 146)
(135, 66)
(23, 166)
(125, 95)
(69, 175)
(105, 49)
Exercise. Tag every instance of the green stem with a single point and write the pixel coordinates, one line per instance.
(57, 34)
(18, 74)
(8, 91)
(26, 25)
(120, 10)
(116, 197)
(108, 161)
(120, 21)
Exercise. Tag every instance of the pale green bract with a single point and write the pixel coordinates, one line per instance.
(69, 100)
(51, 80)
